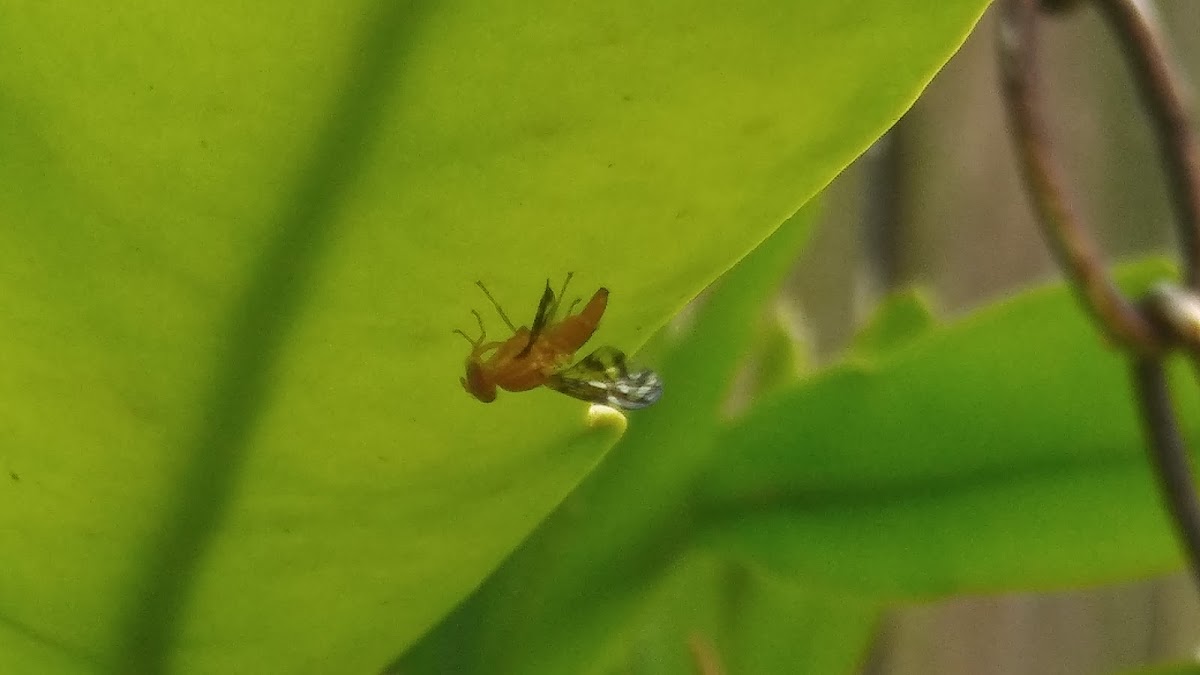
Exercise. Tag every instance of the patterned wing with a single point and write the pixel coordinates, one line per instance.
(604, 377)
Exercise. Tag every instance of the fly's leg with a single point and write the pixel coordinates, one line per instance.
(499, 309)
(561, 294)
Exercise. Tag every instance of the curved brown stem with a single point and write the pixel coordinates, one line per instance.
(1061, 223)
(1169, 455)
(1171, 314)
(1141, 39)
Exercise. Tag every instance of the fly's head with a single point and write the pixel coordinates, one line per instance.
(477, 383)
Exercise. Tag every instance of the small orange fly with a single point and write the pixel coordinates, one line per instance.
(542, 355)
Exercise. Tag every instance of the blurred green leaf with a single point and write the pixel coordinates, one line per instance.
(899, 320)
(1002, 451)
(237, 237)
(738, 620)
(776, 359)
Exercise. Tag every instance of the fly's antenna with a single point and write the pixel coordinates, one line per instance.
(495, 304)
(561, 294)
(482, 333)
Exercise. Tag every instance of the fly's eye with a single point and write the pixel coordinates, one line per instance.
(477, 384)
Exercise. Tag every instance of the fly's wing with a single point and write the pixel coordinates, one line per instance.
(539, 320)
(604, 377)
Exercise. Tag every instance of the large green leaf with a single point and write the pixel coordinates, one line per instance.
(999, 452)
(235, 239)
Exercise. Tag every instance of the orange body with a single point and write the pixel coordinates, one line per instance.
(518, 364)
